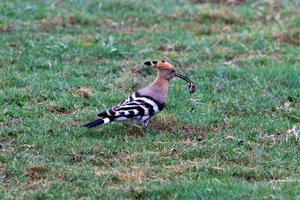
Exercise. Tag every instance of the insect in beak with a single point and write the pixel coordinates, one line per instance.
(192, 86)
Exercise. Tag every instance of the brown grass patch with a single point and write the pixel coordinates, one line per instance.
(292, 37)
(171, 48)
(125, 157)
(84, 92)
(58, 109)
(228, 2)
(48, 24)
(135, 174)
(5, 28)
(36, 172)
(9, 147)
(126, 31)
(96, 160)
(87, 41)
(253, 174)
(135, 131)
(168, 123)
(82, 157)
(211, 16)
(72, 59)
(173, 15)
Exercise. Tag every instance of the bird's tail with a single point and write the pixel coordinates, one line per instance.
(97, 122)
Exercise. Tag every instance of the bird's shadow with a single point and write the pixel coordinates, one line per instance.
(156, 127)
(116, 130)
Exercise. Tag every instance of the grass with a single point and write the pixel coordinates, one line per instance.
(62, 62)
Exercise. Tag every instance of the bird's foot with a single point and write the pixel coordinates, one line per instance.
(140, 128)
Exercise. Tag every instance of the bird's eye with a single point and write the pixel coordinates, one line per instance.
(172, 71)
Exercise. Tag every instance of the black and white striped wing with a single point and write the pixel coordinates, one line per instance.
(136, 107)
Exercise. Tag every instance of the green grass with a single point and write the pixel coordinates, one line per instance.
(228, 140)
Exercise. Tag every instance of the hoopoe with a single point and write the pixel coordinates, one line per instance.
(146, 102)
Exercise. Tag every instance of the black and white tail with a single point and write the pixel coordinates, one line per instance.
(97, 122)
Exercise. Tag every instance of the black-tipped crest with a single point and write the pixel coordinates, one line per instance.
(158, 64)
(151, 63)
(147, 63)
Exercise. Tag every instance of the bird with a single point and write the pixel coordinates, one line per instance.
(143, 104)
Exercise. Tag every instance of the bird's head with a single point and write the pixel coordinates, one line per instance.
(167, 71)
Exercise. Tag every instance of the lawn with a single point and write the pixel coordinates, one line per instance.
(62, 62)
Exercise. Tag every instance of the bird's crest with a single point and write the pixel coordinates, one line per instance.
(161, 64)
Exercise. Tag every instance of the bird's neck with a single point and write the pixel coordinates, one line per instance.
(158, 89)
(160, 85)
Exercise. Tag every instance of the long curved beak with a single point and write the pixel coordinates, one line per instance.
(183, 77)
(192, 86)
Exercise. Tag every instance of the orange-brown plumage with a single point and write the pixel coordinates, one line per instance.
(162, 65)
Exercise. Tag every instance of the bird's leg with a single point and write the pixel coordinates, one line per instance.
(146, 123)
(147, 127)
(140, 128)
(133, 123)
